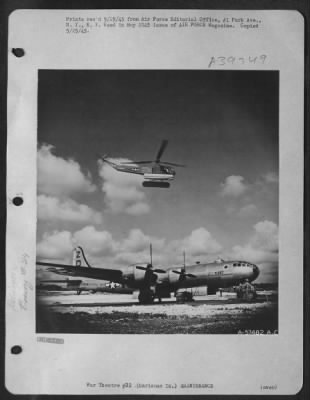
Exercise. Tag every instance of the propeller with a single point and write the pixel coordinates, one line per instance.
(183, 274)
(150, 276)
(149, 268)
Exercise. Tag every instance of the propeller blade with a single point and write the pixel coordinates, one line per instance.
(142, 268)
(156, 270)
(184, 274)
(172, 164)
(161, 150)
(191, 275)
(159, 271)
(137, 162)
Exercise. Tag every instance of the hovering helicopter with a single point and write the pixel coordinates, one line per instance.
(156, 173)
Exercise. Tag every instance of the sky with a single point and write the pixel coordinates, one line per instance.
(223, 125)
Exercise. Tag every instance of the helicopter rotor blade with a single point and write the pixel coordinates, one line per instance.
(102, 157)
(172, 164)
(137, 162)
(161, 150)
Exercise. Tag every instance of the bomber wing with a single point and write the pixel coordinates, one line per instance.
(114, 275)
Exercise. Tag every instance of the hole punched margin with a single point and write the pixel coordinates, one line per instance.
(18, 52)
(16, 349)
(17, 201)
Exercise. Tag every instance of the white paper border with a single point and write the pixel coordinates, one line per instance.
(221, 360)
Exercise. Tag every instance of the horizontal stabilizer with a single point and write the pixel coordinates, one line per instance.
(114, 275)
(61, 281)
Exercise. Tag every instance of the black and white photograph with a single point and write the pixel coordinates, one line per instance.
(157, 201)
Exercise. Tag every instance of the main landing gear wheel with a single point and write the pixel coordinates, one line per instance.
(249, 296)
(184, 297)
(146, 296)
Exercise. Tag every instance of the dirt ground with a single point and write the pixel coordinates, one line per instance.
(220, 316)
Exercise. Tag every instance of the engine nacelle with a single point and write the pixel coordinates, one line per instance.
(173, 278)
(131, 273)
(134, 276)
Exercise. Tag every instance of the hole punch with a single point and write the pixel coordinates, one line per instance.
(18, 201)
(18, 52)
(16, 349)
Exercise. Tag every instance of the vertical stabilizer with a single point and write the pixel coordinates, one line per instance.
(79, 259)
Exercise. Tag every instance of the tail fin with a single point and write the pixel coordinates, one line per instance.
(79, 259)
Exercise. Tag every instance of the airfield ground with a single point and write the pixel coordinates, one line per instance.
(106, 313)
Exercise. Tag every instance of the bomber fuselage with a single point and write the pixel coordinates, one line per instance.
(214, 275)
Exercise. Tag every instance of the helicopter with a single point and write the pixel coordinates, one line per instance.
(156, 173)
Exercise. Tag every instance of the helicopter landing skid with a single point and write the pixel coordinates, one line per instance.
(156, 184)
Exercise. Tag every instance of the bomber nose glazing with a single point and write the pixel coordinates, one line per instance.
(255, 272)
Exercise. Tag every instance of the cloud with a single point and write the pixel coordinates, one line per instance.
(137, 241)
(127, 258)
(54, 209)
(138, 209)
(266, 236)
(268, 272)
(262, 246)
(60, 177)
(248, 210)
(55, 245)
(123, 191)
(103, 250)
(96, 242)
(136, 248)
(271, 177)
(199, 242)
(60, 244)
(101, 247)
(233, 186)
